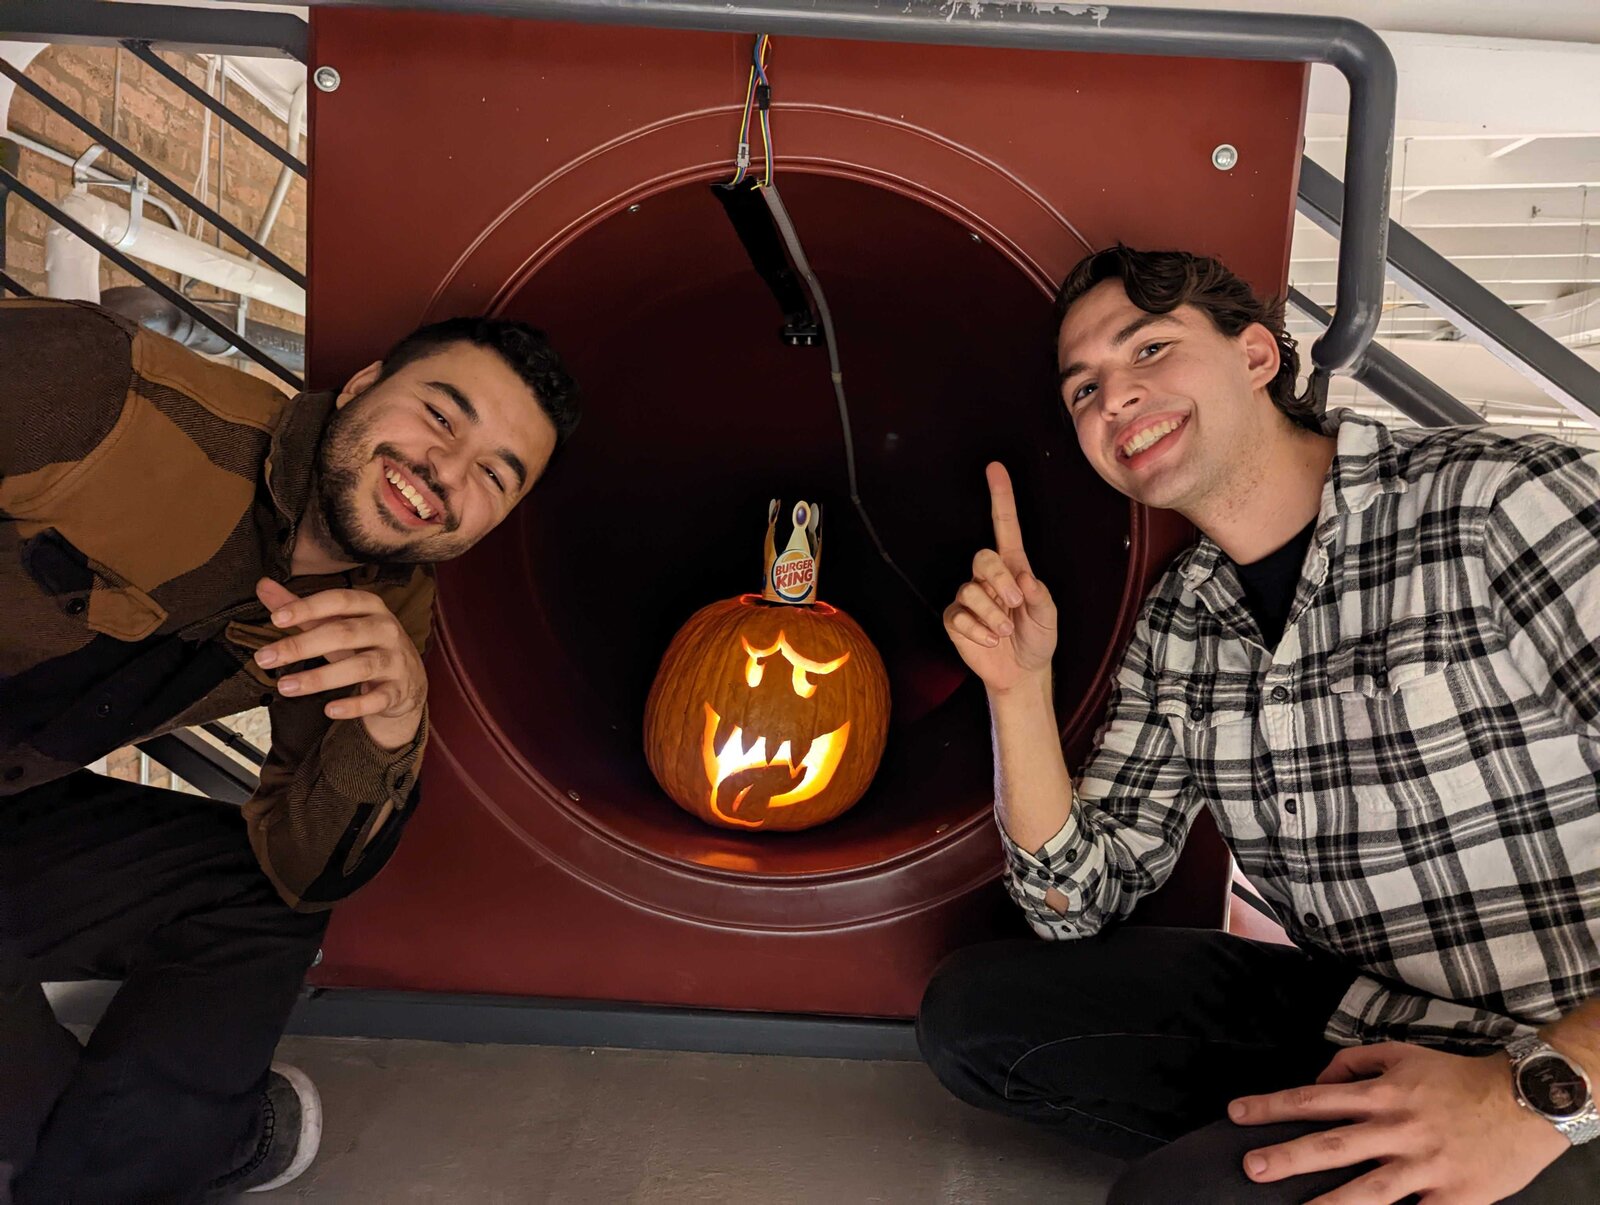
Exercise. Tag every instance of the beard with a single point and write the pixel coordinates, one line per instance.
(336, 513)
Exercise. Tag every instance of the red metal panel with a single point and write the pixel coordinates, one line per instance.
(560, 174)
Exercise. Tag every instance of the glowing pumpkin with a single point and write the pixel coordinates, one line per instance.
(767, 716)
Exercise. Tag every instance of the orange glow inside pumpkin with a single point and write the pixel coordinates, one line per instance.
(816, 768)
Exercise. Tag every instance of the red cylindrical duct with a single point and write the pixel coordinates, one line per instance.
(563, 175)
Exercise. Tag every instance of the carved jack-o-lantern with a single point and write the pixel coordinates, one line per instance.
(766, 715)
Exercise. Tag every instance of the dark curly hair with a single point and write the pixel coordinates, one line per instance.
(525, 349)
(1158, 282)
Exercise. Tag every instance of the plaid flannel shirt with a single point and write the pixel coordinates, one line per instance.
(1410, 778)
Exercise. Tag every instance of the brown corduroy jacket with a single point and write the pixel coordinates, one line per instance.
(143, 492)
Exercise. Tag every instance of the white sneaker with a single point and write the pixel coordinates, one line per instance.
(291, 1132)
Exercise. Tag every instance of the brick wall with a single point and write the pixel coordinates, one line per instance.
(159, 122)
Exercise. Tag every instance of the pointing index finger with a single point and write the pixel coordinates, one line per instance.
(1003, 511)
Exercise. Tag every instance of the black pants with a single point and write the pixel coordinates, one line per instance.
(1133, 1043)
(101, 879)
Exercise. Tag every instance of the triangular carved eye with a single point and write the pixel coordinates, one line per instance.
(801, 666)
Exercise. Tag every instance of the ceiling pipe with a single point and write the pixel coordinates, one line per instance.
(155, 313)
(170, 249)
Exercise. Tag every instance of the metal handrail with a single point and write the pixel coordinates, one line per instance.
(141, 51)
(1415, 395)
(1350, 47)
(233, 32)
(134, 160)
(146, 277)
(1510, 336)
(201, 764)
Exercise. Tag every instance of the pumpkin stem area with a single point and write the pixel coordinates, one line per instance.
(766, 604)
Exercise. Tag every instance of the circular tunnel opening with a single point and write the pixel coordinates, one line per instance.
(696, 414)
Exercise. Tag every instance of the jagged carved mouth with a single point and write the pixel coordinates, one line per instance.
(814, 769)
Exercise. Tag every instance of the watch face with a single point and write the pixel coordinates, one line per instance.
(1553, 1087)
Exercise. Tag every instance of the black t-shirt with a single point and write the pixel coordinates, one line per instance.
(1269, 584)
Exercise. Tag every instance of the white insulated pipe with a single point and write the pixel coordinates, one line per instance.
(71, 266)
(166, 248)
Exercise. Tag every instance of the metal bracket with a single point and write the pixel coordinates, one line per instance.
(81, 165)
(138, 190)
(137, 193)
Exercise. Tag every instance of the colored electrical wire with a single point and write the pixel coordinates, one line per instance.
(757, 98)
(742, 158)
(763, 97)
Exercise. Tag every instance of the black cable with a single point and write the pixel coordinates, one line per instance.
(780, 215)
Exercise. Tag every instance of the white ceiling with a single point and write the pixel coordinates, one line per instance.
(1556, 20)
(1496, 167)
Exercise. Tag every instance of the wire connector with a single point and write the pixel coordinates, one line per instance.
(763, 97)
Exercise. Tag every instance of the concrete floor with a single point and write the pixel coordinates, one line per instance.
(432, 1122)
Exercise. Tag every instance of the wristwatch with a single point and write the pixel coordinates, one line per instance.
(1548, 1083)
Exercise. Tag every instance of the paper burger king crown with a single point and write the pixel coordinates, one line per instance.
(793, 550)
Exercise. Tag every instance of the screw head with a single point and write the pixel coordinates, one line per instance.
(635, 208)
(1224, 157)
(326, 79)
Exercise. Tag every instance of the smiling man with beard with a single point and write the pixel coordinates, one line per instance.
(1379, 670)
(180, 542)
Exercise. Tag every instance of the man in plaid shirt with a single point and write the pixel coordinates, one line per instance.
(1380, 670)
